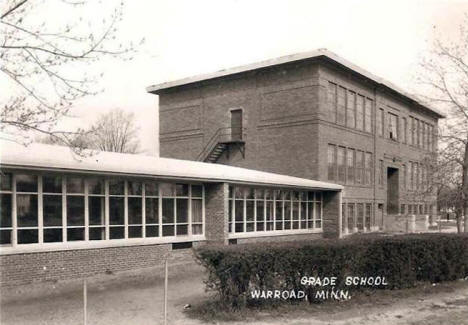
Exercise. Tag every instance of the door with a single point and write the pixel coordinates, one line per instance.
(236, 125)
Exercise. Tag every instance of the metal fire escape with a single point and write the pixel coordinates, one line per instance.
(223, 140)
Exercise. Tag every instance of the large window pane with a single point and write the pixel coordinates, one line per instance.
(116, 210)
(6, 181)
(151, 188)
(152, 210)
(96, 210)
(27, 236)
(5, 237)
(182, 189)
(134, 210)
(5, 210)
(168, 211)
(52, 210)
(51, 184)
(95, 186)
(75, 211)
(26, 183)
(197, 191)
(75, 185)
(53, 235)
(134, 187)
(116, 187)
(197, 211)
(26, 210)
(182, 211)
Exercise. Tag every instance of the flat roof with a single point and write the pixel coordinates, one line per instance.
(38, 156)
(291, 58)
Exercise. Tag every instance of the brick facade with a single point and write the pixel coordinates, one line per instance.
(288, 129)
(18, 269)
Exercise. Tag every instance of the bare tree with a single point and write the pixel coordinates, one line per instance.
(114, 131)
(444, 75)
(48, 63)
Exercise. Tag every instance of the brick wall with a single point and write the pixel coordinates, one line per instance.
(17, 269)
(331, 214)
(216, 212)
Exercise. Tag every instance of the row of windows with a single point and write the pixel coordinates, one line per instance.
(57, 208)
(257, 209)
(413, 132)
(349, 108)
(416, 208)
(357, 217)
(416, 176)
(349, 166)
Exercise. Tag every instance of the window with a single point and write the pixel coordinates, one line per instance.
(380, 117)
(341, 106)
(27, 208)
(96, 208)
(197, 210)
(6, 225)
(404, 128)
(431, 138)
(368, 168)
(411, 128)
(116, 209)
(392, 126)
(65, 208)
(360, 167)
(421, 134)
(381, 172)
(405, 177)
(273, 210)
(412, 169)
(135, 209)
(351, 217)
(331, 162)
(360, 112)
(350, 174)
(417, 135)
(368, 219)
(52, 208)
(341, 164)
(368, 116)
(331, 102)
(360, 216)
(351, 109)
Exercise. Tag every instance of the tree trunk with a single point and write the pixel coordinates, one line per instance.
(465, 187)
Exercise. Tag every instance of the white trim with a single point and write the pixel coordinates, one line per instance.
(95, 244)
(40, 210)
(274, 233)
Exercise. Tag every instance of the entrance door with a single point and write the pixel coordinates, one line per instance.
(392, 190)
(236, 125)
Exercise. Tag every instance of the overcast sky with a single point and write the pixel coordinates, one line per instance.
(185, 38)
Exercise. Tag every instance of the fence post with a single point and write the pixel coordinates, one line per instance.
(165, 292)
(85, 302)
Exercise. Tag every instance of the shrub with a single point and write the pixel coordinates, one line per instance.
(404, 260)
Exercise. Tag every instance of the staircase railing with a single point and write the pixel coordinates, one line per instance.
(221, 135)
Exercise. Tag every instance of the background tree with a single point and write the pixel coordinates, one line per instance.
(113, 131)
(444, 76)
(47, 52)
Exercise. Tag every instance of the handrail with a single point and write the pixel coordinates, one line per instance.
(215, 139)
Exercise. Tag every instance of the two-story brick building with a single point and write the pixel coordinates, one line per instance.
(312, 115)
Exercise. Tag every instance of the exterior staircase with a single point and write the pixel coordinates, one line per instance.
(223, 140)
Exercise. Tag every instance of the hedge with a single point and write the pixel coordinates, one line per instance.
(404, 260)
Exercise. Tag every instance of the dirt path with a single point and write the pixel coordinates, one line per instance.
(137, 298)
